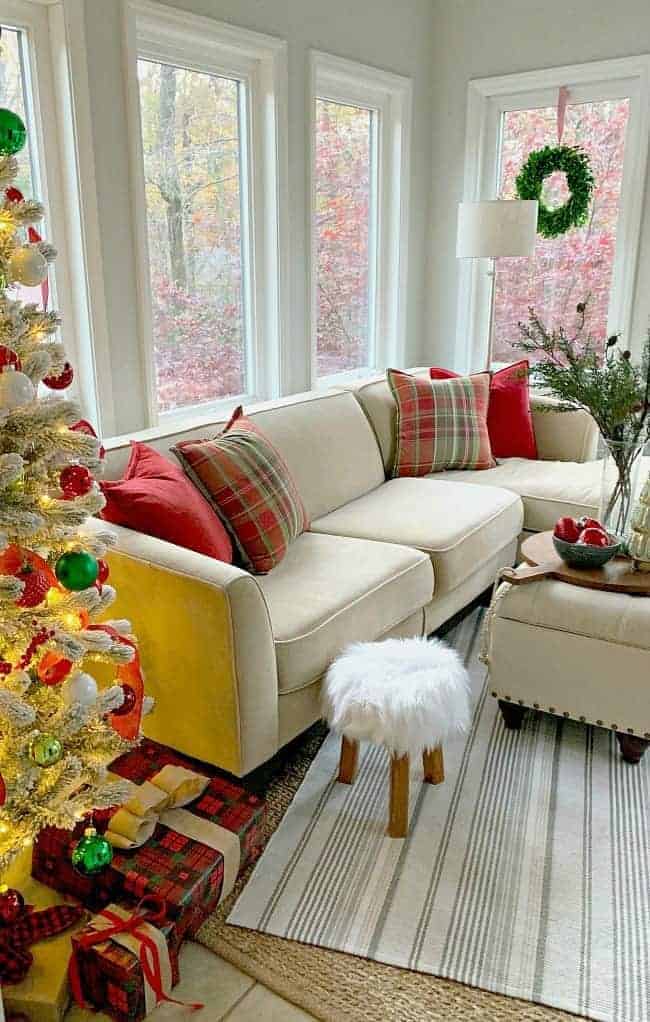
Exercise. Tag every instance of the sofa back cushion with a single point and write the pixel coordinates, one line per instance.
(325, 439)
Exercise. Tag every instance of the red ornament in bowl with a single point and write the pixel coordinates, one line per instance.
(567, 529)
(594, 537)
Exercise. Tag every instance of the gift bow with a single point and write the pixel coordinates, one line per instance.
(28, 929)
(160, 800)
(137, 932)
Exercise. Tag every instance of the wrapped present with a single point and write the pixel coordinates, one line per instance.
(125, 961)
(182, 836)
(52, 865)
(43, 995)
(228, 804)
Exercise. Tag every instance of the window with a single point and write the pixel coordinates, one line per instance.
(563, 270)
(208, 157)
(606, 114)
(198, 254)
(360, 133)
(34, 81)
(345, 224)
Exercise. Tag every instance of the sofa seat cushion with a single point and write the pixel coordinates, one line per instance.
(549, 489)
(609, 617)
(459, 525)
(332, 590)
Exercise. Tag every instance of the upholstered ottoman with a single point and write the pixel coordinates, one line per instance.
(573, 652)
(408, 695)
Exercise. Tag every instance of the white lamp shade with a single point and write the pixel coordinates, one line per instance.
(496, 227)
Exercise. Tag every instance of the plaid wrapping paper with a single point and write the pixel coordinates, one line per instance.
(111, 977)
(185, 873)
(441, 424)
(52, 865)
(249, 485)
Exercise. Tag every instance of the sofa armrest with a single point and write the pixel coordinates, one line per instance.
(206, 646)
(562, 436)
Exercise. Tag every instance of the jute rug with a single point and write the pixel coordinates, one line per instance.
(525, 873)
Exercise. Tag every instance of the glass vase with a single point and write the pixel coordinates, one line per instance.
(619, 485)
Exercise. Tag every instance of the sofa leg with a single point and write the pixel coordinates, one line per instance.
(632, 747)
(512, 713)
(349, 760)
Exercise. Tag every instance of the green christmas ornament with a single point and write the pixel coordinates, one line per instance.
(13, 133)
(77, 570)
(45, 750)
(93, 853)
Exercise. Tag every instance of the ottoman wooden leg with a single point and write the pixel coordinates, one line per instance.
(512, 713)
(349, 760)
(632, 747)
(434, 766)
(398, 813)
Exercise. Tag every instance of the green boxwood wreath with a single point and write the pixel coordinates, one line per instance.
(580, 181)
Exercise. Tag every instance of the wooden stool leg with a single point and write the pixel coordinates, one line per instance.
(349, 760)
(398, 813)
(434, 765)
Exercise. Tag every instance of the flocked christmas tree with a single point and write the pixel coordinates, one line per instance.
(638, 543)
(58, 730)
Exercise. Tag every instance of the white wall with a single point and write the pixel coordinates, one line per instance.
(395, 36)
(479, 38)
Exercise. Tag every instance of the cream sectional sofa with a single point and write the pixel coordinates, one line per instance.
(234, 661)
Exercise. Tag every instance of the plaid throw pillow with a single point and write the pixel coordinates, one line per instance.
(248, 483)
(441, 424)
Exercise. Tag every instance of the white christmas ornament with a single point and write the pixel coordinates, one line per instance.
(79, 688)
(28, 266)
(15, 389)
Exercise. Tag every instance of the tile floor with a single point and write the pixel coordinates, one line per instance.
(227, 993)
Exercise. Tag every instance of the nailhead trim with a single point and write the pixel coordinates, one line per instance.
(566, 713)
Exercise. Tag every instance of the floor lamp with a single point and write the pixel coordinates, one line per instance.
(495, 228)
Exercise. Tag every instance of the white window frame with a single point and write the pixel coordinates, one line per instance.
(487, 100)
(391, 97)
(51, 129)
(154, 31)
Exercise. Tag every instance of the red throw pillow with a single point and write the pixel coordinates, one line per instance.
(249, 485)
(156, 498)
(510, 422)
(441, 424)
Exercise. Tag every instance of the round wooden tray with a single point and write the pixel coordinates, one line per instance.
(542, 560)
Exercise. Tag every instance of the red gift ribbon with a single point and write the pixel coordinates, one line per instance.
(148, 957)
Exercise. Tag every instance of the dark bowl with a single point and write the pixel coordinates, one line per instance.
(580, 555)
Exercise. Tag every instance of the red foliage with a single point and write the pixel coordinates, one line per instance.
(564, 270)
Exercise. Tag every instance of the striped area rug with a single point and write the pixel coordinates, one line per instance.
(526, 873)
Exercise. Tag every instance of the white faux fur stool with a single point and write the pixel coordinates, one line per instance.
(408, 695)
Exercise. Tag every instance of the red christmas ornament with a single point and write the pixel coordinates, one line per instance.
(63, 380)
(33, 235)
(75, 480)
(12, 904)
(130, 699)
(53, 669)
(3, 791)
(104, 571)
(30, 569)
(84, 427)
(37, 586)
(13, 194)
(8, 357)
